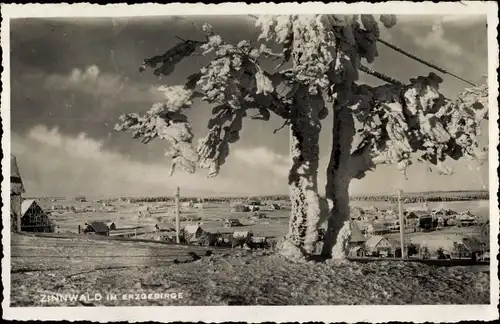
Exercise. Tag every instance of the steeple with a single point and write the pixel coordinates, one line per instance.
(16, 183)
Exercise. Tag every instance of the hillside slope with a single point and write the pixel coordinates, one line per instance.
(239, 278)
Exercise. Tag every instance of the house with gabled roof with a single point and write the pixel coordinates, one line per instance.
(96, 227)
(34, 218)
(379, 245)
(193, 232)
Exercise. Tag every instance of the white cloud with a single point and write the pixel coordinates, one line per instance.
(57, 164)
(44, 136)
(264, 158)
(93, 81)
(435, 40)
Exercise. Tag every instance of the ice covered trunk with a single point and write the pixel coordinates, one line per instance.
(305, 129)
(338, 232)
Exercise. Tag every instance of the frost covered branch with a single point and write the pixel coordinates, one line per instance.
(415, 121)
(233, 81)
(166, 121)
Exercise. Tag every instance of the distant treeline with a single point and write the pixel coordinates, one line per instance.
(428, 196)
(205, 199)
(408, 198)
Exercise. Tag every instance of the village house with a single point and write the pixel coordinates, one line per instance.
(193, 232)
(411, 220)
(241, 238)
(357, 213)
(81, 198)
(259, 242)
(465, 219)
(34, 219)
(169, 237)
(274, 206)
(357, 240)
(451, 246)
(254, 203)
(242, 234)
(164, 227)
(143, 212)
(96, 227)
(187, 204)
(379, 246)
(380, 228)
(253, 208)
(57, 207)
(232, 222)
(239, 208)
(357, 251)
(198, 205)
(427, 222)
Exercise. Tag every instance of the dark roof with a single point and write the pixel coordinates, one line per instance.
(356, 235)
(31, 203)
(98, 226)
(164, 227)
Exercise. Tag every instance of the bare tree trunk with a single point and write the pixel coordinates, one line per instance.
(339, 176)
(305, 129)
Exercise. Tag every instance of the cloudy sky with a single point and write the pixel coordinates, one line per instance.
(72, 78)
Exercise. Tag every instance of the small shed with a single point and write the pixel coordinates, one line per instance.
(96, 227)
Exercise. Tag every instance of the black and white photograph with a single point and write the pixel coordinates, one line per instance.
(250, 155)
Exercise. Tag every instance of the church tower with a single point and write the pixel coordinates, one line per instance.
(16, 189)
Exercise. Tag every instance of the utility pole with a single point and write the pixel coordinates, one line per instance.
(177, 212)
(401, 223)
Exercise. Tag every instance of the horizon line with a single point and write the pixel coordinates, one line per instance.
(270, 195)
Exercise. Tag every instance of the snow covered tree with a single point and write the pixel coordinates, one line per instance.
(323, 53)
(398, 124)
